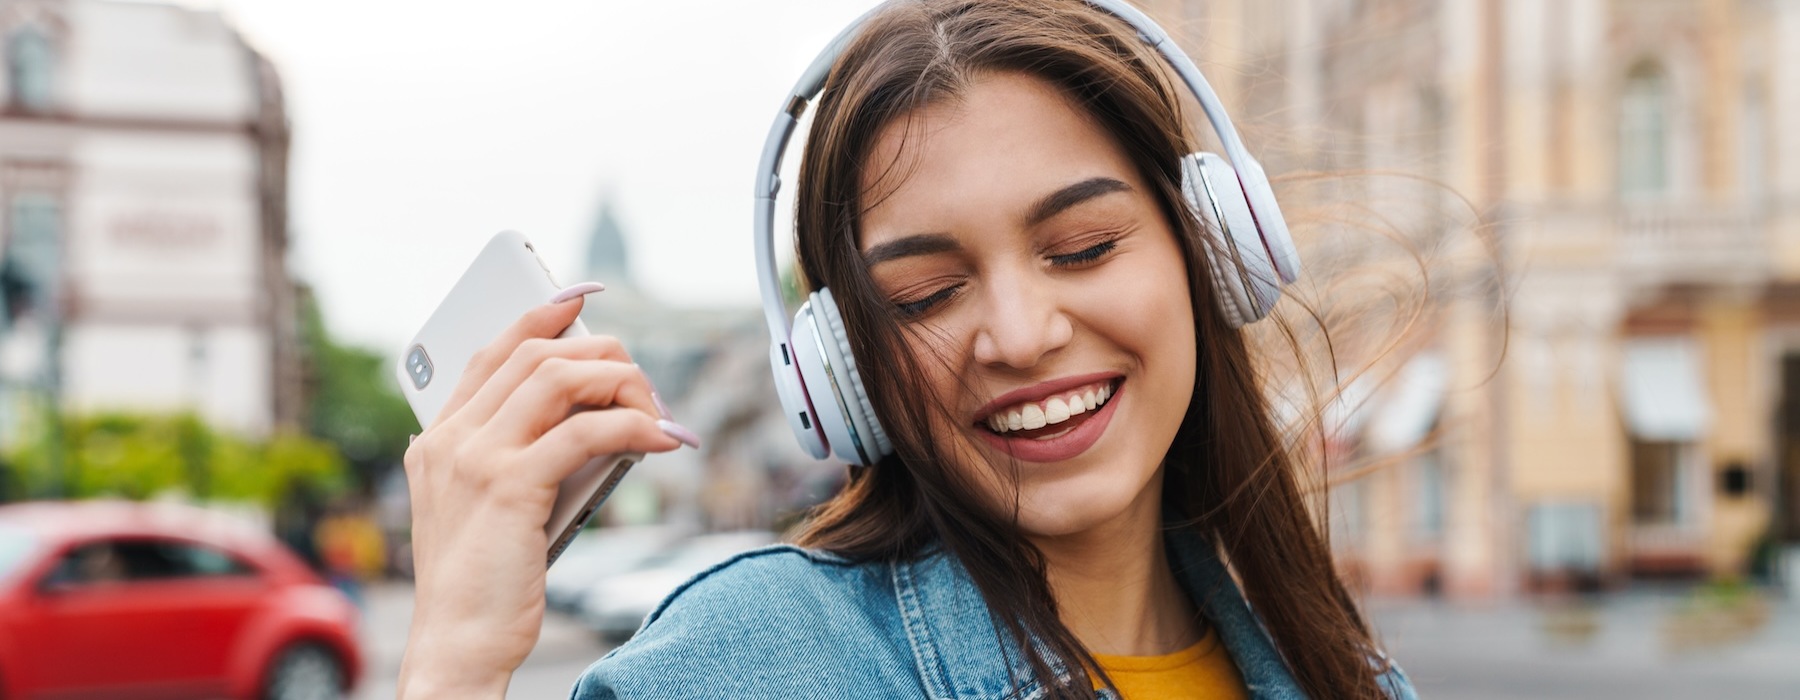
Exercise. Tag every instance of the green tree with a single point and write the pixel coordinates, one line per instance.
(138, 456)
(355, 403)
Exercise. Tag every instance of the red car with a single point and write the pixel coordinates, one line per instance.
(123, 600)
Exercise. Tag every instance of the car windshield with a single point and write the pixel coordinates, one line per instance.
(14, 545)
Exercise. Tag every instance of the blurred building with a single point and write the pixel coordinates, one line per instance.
(712, 367)
(1630, 162)
(143, 210)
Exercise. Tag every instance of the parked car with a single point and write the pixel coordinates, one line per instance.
(617, 606)
(601, 553)
(109, 599)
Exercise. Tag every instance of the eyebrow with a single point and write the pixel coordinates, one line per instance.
(921, 244)
(1050, 205)
(1060, 200)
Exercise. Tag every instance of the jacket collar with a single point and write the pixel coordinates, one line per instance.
(961, 654)
(1210, 586)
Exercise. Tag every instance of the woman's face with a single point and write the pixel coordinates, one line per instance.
(1045, 294)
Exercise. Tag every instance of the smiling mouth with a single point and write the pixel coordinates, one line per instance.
(1052, 416)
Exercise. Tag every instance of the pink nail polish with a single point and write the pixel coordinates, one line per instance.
(661, 407)
(577, 290)
(675, 430)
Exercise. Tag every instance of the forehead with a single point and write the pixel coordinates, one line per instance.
(982, 159)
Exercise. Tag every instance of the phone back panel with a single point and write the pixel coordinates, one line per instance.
(506, 280)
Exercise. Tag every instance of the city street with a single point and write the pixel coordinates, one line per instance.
(1638, 646)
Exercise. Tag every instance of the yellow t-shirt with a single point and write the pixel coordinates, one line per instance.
(1202, 671)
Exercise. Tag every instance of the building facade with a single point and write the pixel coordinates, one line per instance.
(1608, 385)
(143, 241)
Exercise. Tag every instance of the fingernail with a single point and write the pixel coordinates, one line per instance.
(577, 290)
(674, 430)
(411, 438)
(661, 407)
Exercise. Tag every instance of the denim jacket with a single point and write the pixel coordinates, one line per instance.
(786, 622)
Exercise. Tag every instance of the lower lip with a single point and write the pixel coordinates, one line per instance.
(1064, 446)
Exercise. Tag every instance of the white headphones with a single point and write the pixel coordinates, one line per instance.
(815, 373)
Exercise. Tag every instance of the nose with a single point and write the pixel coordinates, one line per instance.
(1024, 322)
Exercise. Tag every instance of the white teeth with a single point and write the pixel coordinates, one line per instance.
(1034, 417)
(1031, 416)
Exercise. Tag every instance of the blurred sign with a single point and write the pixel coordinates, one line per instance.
(165, 230)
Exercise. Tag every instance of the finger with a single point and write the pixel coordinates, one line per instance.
(589, 434)
(559, 386)
(544, 321)
(526, 359)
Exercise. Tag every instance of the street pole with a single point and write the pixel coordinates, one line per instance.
(53, 397)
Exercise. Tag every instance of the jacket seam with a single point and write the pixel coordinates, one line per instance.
(912, 619)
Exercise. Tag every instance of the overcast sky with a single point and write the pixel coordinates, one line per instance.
(422, 127)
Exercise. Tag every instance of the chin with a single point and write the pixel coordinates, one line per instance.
(1083, 502)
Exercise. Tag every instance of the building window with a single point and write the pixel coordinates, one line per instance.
(31, 263)
(30, 66)
(1657, 486)
(1667, 413)
(1564, 537)
(1644, 132)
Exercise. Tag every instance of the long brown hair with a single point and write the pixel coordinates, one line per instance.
(1227, 476)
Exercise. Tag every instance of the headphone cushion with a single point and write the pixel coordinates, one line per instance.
(1248, 288)
(862, 412)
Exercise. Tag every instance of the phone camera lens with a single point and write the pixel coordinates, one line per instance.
(418, 366)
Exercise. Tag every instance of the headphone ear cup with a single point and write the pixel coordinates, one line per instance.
(868, 433)
(1249, 285)
(1269, 221)
(799, 374)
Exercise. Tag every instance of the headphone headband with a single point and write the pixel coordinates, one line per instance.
(812, 82)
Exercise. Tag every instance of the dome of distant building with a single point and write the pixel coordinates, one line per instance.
(608, 260)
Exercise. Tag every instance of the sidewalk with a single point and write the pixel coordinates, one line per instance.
(1630, 645)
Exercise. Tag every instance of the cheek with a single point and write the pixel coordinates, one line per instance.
(941, 356)
(1148, 310)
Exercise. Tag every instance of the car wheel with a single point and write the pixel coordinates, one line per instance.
(305, 672)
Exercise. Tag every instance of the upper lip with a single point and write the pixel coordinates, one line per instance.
(1039, 392)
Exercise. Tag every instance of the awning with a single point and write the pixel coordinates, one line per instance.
(1411, 405)
(1662, 394)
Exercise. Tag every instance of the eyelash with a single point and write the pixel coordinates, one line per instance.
(912, 309)
(1086, 255)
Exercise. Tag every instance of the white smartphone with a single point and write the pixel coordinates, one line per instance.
(506, 280)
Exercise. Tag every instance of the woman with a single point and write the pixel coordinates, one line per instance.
(993, 191)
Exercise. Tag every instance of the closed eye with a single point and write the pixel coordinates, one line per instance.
(1086, 255)
(911, 309)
